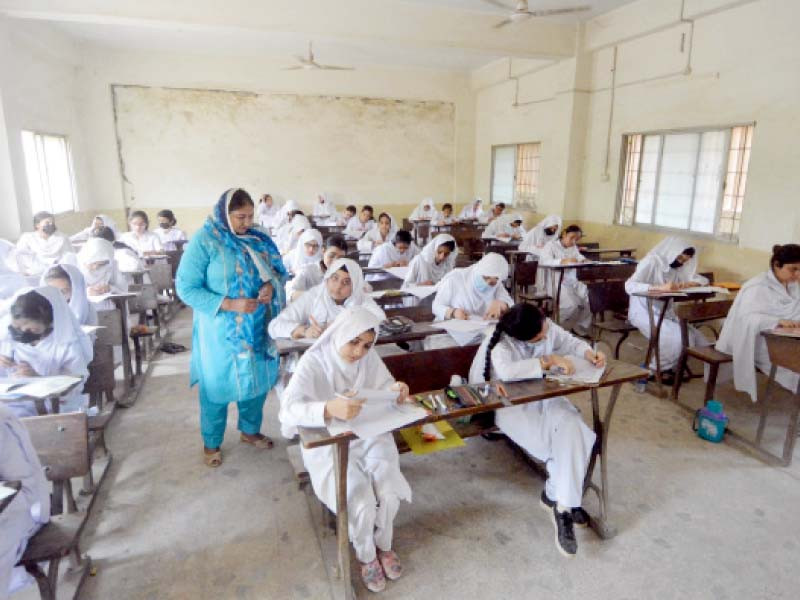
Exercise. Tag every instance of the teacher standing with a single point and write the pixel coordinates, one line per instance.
(232, 276)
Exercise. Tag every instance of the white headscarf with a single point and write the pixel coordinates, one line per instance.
(666, 251)
(357, 296)
(8, 255)
(324, 208)
(298, 258)
(78, 302)
(536, 238)
(428, 255)
(492, 265)
(97, 250)
(107, 222)
(421, 213)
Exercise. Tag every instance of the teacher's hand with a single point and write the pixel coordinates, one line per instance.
(242, 305)
(265, 294)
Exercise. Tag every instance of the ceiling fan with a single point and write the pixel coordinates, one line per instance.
(308, 63)
(522, 13)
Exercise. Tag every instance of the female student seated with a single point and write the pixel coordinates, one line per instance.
(506, 227)
(472, 211)
(39, 336)
(326, 384)
(97, 223)
(146, 243)
(167, 231)
(380, 234)
(311, 274)
(10, 278)
(267, 212)
(307, 251)
(288, 236)
(770, 300)
(397, 254)
(100, 272)
(37, 250)
(446, 216)
(574, 311)
(524, 344)
(425, 211)
(476, 290)
(436, 260)
(307, 317)
(670, 266)
(69, 280)
(544, 232)
(30, 508)
(358, 226)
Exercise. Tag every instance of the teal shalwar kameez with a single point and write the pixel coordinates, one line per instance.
(233, 358)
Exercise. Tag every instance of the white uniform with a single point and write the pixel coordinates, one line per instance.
(282, 218)
(308, 277)
(388, 253)
(324, 210)
(35, 253)
(168, 237)
(267, 216)
(654, 270)
(356, 228)
(85, 234)
(10, 282)
(424, 266)
(147, 242)
(536, 239)
(289, 234)
(29, 510)
(67, 350)
(502, 226)
(374, 238)
(573, 305)
(99, 250)
(295, 260)
(470, 212)
(375, 484)
(425, 211)
(759, 305)
(78, 303)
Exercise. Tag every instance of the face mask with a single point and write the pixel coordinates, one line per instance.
(550, 231)
(164, 225)
(480, 284)
(676, 264)
(49, 229)
(27, 337)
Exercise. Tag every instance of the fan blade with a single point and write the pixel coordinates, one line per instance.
(502, 24)
(295, 68)
(558, 11)
(334, 68)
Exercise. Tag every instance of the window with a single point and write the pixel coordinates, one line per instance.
(515, 174)
(692, 180)
(49, 168)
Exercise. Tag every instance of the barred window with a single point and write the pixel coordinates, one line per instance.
(515, 174)
(48, 165)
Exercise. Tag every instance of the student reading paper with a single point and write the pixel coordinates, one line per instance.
(425, 211)
(358, 226)
(770, 300)
(98, 265)
(472, 211)
(574, 302)
(268, 213)
(524, 344)
(69, 280)
(311, 274)
(325, 385)
(505, 227)
(398, 253)
(546, 231)
(436, 260)
(477, 290)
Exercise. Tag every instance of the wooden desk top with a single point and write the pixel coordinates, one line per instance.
(418, 332)
(519, 393)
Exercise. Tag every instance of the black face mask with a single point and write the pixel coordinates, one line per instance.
(49, 229)
(550, 231)
(676, 264)
(27, 337)
(164, 225)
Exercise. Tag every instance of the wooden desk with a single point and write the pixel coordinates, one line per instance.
(560, 270)
(597, 253)
(383, 280)
(519, 393)
(121, 303)
(14, 485)
(41, 403)
(419, 332)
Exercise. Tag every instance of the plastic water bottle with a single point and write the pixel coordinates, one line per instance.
(640, 385)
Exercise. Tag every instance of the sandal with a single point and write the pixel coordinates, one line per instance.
(390, 563)
(259, 440)
(213, 458)
(372, 576)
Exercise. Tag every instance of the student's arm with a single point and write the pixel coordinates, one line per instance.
(443, 300)
(298, 406)
(378, 258)
(566, 344)
(364, 244)
(642, 278)
(190, 281)
(412, 277)
(507, 366)
(296, 315)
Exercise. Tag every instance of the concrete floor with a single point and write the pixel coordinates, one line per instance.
(695, 520)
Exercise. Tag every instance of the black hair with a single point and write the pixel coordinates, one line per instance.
(449, 244)
(572, 229)
(387, 215)
(168, 214)
(41, 216)
(142, 215)
(336, 241)
(57, 272)
(522, 322)
(783, 255)
(447, 205)
(351, 209)
(688, 251)
(264, 197)
(517, 221)
(33, 306)
(106, 233)
(402, 236)
(501, 205)
(294, 213)
(369, 208)
(239, 200)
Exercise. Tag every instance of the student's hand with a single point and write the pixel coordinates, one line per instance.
(99, 289)
(501, 389)
(399, 386)
(9, 363)
(504, 236)
(495, 310)
(265, 294)
(314, 330)
(562, 363)
(343, 407)
(598, 359)
(242, 305)
(459, 313)
(665, 287)
(25, 370)
(782, 324)
(569, 261)
(401, 263)
(428, 282)
(516, 236)
(689, 284)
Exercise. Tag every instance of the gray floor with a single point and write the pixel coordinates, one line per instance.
(695, 520)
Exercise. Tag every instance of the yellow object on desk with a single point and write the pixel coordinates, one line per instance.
(413, 437)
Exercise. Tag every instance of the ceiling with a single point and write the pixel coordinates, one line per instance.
(437, 34)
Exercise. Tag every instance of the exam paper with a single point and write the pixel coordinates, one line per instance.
(464, 331)
(585, 372)
(706, 289)
(89, 329)
(5, 492)
(421, 291)
(42, 387)
(379, 414)
(399, 272)
(99, 298)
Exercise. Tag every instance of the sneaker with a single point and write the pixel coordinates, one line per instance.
(372, 576)
(580, 518)
(565, 533)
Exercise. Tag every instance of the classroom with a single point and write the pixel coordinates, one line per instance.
(399, 298)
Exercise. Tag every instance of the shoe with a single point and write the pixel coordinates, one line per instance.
(580, 518)
(565, 532)
(372, 576)
(391, 564)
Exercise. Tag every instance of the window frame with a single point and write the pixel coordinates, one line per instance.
(70, 166)
(726, 129)
(515, 201)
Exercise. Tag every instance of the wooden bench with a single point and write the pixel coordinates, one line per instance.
(700, 312)
(524, 278)
(608, 302)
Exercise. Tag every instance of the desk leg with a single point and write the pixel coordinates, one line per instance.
(601, 427)
(127, 368)
(341, 451)
(657, 345)
(557, 307)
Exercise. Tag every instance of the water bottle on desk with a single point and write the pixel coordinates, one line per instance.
(640, 385)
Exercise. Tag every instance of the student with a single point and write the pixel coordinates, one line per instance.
(281, 234)
(42, 248)
(523, 345)
(476, 290)
(267, 212)
(446, 216)
(381, 234)
(436, 260)
(425, 211)
(145, 242)
(324, 210)
(307, 251)
(397, 254)
(472, 211)
(10, 278)
(100, 272)
(670, 266)
(505, 227)
(285, 214)
(547, 230)
(312, 274)
(326, 384)
(128, 261)
(69, 280)
(495, 212)
(349, 213)
(287, 240)
(357, 227)
(770, 300)
(30, 508)
(39, 336)
(167, 231)
(307, 317)
(573, 308)
(98, 222)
